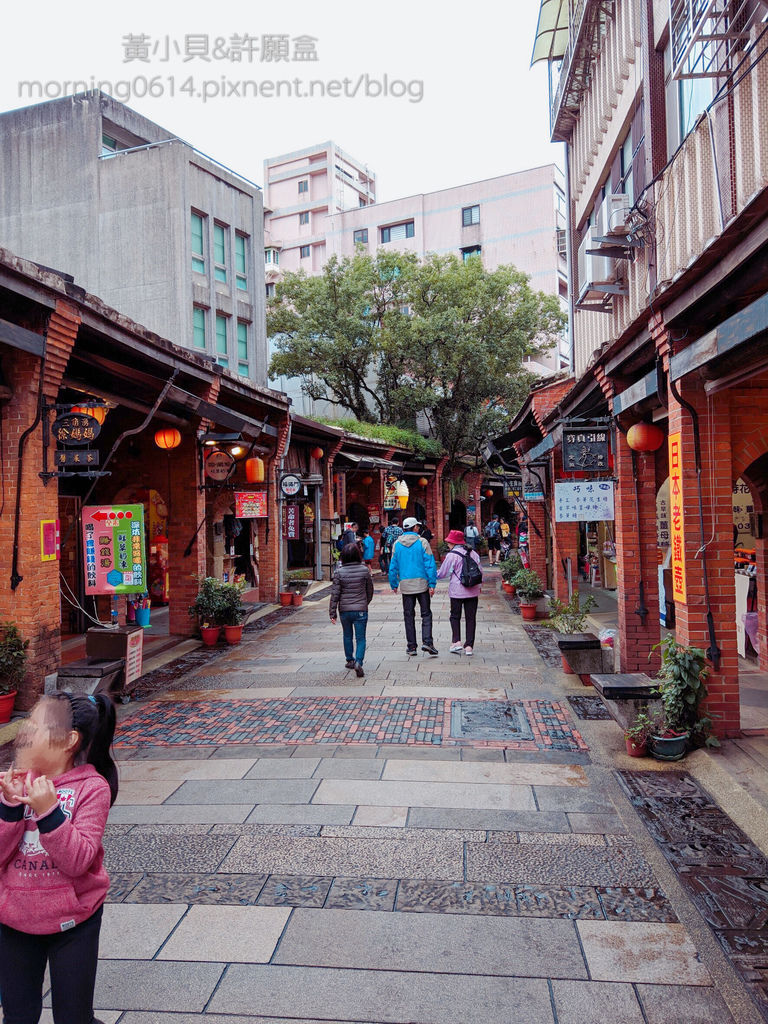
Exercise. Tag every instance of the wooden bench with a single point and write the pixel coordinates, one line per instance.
(626, 694)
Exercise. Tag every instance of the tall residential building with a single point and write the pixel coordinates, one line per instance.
(141, 219)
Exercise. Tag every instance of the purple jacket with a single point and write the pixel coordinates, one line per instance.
(452, 565)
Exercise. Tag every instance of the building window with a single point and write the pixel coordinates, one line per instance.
(272, 256)
(110, 145)
(242, 348)
(361, 201)
(219, 252)
(270, 290)
(198, 327)
(198, 251)
(304, 252)
(469, 251)
(304, 217)
(304, 186)
(222, 351)
(361, 236)
(241, 273)
(470, 215)
(396, 232)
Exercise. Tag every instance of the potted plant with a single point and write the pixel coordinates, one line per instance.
(681, 688)
(509, 567)
(638, 733)
(208, 608)
(529, 588)
(568, 619)
(295, 583)
(13, 660)
(232, 611)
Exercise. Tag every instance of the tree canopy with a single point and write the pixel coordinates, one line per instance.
(394, 339)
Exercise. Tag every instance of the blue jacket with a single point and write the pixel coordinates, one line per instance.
(369, 547)
(413, 566)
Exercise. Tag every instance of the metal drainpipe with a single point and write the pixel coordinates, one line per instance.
(280, 557)
(713, 651)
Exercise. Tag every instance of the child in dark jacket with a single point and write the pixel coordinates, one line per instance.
(351, 593)
(53, 810)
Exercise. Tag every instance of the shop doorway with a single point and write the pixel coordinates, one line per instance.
(457, 518)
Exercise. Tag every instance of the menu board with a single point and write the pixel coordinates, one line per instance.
(113, 546)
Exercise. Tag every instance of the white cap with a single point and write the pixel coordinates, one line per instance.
(410, 522)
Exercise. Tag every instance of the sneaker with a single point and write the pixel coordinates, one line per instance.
(431, 650)
(468, 651)
(358, 669)
(456, 649)
(411, 652)
(350, 663)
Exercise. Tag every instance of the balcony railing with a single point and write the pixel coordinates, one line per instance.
(707, 36)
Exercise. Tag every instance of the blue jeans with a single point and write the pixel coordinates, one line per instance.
(358, 621)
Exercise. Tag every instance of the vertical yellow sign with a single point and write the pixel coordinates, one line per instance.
(676, 518)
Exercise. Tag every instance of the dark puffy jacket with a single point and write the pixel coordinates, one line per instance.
(352, 589)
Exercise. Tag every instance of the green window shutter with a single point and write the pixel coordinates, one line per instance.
(198, 325)
(198, 259)
(221, 336)
(242, 340)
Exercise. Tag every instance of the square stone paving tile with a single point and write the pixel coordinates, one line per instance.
(636, 952)
(384, 997)
(572, 799)
(295, 891)
(157, 753)
(599, 823)
(303, 814)
(140, 852)
(467, 772)
(243, 791)
(362, 894)
(153, 985)
(227, 934)
(494, 796)
(154, 792)
(469, 818)
(166, 829)
(630, 903)
(557, 865)
(252, 750)
(594, 1002)
(417, 753)
(121, 883)
(575, 902)
(349, 768)
(509, 947)
(180, 814)
(386, 816)
(197, 887)
(178, 771)
(662, 1004)
(422, 896)
(283, 768)
(481, 754)
(133, 932)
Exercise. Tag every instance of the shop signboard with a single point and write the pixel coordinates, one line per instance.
(134, 653)
(373, 514)
(219, 466)
(292, 522)
(662, 515)
(583, 501)
(677, 518)
(532, 486)
(50, 540)
(113, 543)
(290, 485)
(76, 429)
(514, 487)
(585, 449)
(250, 504)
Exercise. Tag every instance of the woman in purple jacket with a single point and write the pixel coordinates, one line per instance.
(461, 597)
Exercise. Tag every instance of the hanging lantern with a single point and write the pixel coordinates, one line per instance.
(317, 453)
(402, 493)
(645, 437)
(423, 481)
(489, 493)
(168, 438)
(367, 480)
(254, 470)
(99, 412)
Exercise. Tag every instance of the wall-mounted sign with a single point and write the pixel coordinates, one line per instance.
(677, 518)
(585, 449)
(662, 516)
(290, 485)
(113, 543)
(583, 501)
(533, 489)
(85, 459)
(50, 540)
(75, 429)
(291, 522)
(219, 465)
(250, 504)
(514, 487)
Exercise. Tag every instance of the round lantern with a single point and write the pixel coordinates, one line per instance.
(489, 493)
(317, 453)
(167, 438)
(99, 412)
(254, 470)
(402, 493)
(367, 480)
(423, 481)
(645, 437)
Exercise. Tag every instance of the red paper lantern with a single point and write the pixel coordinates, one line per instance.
(254, 470)
(645, 437)
(489, 493)
(99, 412)
(423, 481)
(367, 480)
(317, 453)
(167, 438)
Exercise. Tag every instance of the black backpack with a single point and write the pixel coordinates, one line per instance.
(471, 573)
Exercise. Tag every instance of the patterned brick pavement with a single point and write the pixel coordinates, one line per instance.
(379, 720)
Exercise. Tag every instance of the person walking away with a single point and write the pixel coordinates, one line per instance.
(492, 533)
(426, 533)
(388, 538)
(351, 593)
(369, 548)
(54, 804)
(471, 536)
(462, 597)
(506, 531)
(412, 570)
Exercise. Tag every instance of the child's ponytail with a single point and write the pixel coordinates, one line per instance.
(93, 716)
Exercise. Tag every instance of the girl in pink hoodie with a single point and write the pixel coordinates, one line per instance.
(53, 809)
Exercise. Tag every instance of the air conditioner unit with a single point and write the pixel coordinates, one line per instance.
(594, 271)
(613, 215)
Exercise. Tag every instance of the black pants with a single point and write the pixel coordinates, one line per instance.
(409, 614)
(469, 604)
(72, 956)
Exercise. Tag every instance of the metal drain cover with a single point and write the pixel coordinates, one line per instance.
(489, 720)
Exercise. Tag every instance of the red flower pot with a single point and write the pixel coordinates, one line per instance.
(6, 705)
(296, 599)
(507, 588)
(586, 680)
(566, 667)
(285, 598)
(528, 611)
(233, 634)
(210, 635)
(636, 749)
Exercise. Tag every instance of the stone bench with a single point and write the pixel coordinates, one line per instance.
(626, 694)
(584, 653)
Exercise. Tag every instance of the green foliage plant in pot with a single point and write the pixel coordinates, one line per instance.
(208, 606)
(638, 733)
(13, 662)
(569, 617)
(509, 567)
(232, 611)
(529, 588)
(682, 690)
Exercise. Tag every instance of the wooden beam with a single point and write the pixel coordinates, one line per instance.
(21, 338)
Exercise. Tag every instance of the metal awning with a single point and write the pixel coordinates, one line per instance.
(367, 461)
(551, 40)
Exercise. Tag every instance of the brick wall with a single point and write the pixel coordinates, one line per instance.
(270, 529)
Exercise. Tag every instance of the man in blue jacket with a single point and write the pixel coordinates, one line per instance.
(413, 570)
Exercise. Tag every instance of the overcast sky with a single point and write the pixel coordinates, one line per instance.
(470, 106)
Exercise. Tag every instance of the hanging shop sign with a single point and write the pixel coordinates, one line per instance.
(373, 514)
(250, 504)
(50, 540)
(290, 485)
(533, 489)
(583, 501)
(75, 429)
(73, 432)
(291, 522)
(662, 516)
(113, 545)
(309, 513)
(677, 518)
(219, 465)
(585, 449)
(514, 486)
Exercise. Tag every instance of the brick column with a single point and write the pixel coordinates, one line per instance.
(537, 545)
(565, 539)
(328, 502)
(271, 528)
(187, 511)
(435, 505)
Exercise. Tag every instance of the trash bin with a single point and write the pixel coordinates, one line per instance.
(92, 675)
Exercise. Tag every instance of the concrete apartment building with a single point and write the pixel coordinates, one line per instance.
(140, 218)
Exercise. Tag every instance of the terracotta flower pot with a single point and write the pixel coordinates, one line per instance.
(507, 588)
(528, 611)
(233, 634)
(285, 598)
(586, 679)
(636, 749)
(6, 705)
(210, 635)
(566, 667)
(296, 599)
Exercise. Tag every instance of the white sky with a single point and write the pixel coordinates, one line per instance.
(483, 113)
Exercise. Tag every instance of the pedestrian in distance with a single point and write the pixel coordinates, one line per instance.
(492, 533)
(351, 593)
(471, 536)
(463, 597)
(369, 547)
(388, 538)
(54, 803)
(413, 572)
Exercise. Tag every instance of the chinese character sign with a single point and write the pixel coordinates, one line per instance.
(113, 545)
(585, 450)
(583, 501)
(292, 522)
(250, 504)
(676, 518)
(662, 516)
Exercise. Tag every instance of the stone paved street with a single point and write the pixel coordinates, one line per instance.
(292, 843)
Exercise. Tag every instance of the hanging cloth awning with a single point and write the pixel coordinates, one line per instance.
(551, 32)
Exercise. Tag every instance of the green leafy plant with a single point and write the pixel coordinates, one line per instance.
(232, 609)
(641, 729)
(528, 585)
(682, 690)
(570, 616)
(400, 436)
(208, 605)
(510, 566)
(13, 657)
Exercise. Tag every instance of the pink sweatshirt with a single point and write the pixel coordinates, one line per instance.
(452, 565)
(51, 868)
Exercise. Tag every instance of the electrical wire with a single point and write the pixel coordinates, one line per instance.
(76, 604)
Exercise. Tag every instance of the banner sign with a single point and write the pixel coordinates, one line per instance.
(292, 522)
(113, 542)
(676, 518)
(585, 450)
(50, 540)
(532, 486)
(582, 501)
(250, 504)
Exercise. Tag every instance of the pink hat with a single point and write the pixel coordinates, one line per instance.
(455, 537)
